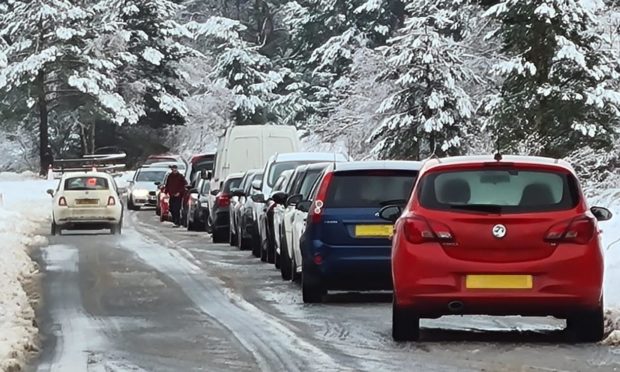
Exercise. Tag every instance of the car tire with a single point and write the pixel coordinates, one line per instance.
(276, 262)
(312, 288)
(218, 236)
(405, 324)
(256, 248)
(285, 261)
(270, 251)
(587, 326)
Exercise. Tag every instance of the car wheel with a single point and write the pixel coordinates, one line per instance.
(587, 326)
(270, 251)
(285, 261)
(277, 261)
(405, 324)
(312, 288)
(219, 236)
(256, 247)
(54, 229)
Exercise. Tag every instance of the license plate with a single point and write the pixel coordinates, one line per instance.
(498, 281)
(87, 201)
(373, 231)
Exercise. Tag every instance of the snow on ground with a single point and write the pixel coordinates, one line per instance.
(23, 207)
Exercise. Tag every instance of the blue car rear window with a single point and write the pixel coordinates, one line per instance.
(370, 189)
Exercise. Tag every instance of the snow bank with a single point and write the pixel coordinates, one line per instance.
(23, 207)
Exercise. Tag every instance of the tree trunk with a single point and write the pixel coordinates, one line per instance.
(43, 124)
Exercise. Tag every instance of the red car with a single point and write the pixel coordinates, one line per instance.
(497, 236)
(164, 205)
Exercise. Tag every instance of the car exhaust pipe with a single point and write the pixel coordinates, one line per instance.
(455, 306)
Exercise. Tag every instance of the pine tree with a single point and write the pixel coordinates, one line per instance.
(430, 111)
(560, 87)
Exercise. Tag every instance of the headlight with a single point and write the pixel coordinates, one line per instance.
(140, 193)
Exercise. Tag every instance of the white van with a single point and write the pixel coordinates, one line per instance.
(246, 147)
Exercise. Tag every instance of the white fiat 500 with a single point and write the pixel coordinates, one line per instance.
(86, 201)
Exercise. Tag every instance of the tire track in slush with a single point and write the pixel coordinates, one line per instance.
(273, 345)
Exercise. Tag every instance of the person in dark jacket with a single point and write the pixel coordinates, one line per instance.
(175, 187)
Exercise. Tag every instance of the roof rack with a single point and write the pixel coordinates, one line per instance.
(109, 163)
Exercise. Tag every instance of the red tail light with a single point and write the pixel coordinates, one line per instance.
(316, 208)
(579, 230)
(111, 201)
(419, 230)
(62, 201)
(222, 200)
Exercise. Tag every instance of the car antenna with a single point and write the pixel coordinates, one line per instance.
(334, 159)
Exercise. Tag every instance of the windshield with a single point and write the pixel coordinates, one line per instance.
(276, 169)
(205, 164)
(370, 189)
(151, 176)
(499, 191)
(86, 183)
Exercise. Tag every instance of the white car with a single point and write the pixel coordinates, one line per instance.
(142, 189)
(86, 201)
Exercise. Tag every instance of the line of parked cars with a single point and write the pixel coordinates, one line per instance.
(503, 235)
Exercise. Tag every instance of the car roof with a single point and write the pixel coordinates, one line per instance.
(479, 159)
(377, 165)
(301, 156)
(85, 174)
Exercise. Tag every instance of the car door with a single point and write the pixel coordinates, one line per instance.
(308, 190)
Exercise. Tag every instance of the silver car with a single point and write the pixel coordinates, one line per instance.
(142, 190)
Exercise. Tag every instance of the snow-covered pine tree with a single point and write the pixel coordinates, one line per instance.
(48, 50)
(430, 111)
(247, 73)
(150, 74)
(560, 87)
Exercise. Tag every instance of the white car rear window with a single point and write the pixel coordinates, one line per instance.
(85, 183)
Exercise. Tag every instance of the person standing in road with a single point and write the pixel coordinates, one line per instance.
(175, 187)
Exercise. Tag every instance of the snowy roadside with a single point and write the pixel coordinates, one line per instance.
(23, 207)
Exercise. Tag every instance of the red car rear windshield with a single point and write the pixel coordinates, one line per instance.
(370, 189)
(499, 191)
(86, 183)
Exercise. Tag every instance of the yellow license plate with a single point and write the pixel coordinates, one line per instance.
(373, 231)
(87, 201)
(498, 281)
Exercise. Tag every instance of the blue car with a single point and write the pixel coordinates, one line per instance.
(346, 245)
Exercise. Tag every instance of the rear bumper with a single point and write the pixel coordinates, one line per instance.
(349, 267)
(570, 280)
(67, 216)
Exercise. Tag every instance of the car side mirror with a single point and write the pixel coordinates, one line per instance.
(294, 199)
(50, 192)
(237, 192)
(257, 184)
(193, 191)
(601, 214)
(390, 212)
(258, 198)
(214, 192)
(157, 183)
(279, 197)
(303, 206)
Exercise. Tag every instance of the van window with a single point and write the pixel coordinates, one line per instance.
(370, 188)
(499, 191)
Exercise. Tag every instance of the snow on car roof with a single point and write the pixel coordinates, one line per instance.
(463, 160)
(85, 174)
(378, 165)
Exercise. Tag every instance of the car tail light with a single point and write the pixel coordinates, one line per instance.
(419, 230)
(579, 230)
(222, 200)
(111, 201)
(62, 201)
(316, 208)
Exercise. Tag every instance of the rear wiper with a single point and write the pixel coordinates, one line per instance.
(490, 208)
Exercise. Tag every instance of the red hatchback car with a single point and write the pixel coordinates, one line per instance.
(497, 236)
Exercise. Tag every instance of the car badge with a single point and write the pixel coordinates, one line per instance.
(499, 231)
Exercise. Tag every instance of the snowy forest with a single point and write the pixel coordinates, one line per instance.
(373, 78)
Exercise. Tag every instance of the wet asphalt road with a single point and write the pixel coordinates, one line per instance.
(163, 299)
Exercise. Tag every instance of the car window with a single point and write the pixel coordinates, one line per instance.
(150, 176)
(248, 188)
(86, 183)
(369, 189)
(503, 190)
(278, 186)
(308, 182)
(232, 183)
(276, 169)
